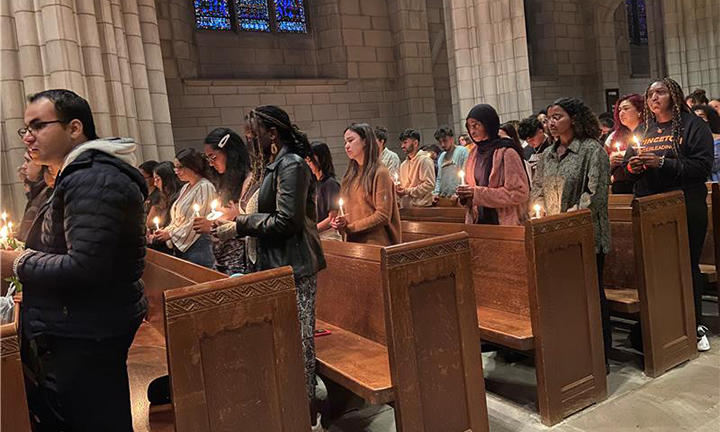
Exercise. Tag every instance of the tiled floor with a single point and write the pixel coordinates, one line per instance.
(686, 398)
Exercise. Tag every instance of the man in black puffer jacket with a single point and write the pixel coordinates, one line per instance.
(83, 298)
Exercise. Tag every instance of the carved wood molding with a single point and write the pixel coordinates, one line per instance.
(660, 204)
(183, 306)
(422, 254)
(9, 346)
(559, 225)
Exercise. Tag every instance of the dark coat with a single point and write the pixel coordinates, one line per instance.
(86, 253)
(286, 223)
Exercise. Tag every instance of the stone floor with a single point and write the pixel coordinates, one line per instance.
(686, 398)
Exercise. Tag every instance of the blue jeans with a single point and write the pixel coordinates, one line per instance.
(200, 252)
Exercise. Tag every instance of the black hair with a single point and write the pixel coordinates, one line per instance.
(229, 184)
(433, 148)
(171, 184)
(68, 107)
(543, 111)
(509, 129)
(442, 132)
(607, 122)
(528, 127)
(323, 158)
(410, 133)
(195, 161)
(148, 166)
(381, 133)
(365, 175)
(677, 105)
(713, 118)
(273, 117)
(698, 97)
(585, 123)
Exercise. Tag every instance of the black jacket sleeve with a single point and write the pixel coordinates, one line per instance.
(94, 213)
(293, 183)
(696, 156)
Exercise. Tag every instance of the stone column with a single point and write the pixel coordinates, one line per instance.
(488, 57)
(108, 52)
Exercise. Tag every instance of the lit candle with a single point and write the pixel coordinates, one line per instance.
(537, 210)
(340, 203)
(10, 231)
(213, 205)
(461, 174)
(617, 147)
(214, 214)
(156, 221)
(196, 208)
(638, 144)
(4, 217)
(3, 233)
(396, 178)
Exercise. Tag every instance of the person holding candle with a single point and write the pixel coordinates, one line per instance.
(285, 223)
(677, 155)
(228, 155)
(629, 117)
(83, 299)
(497, 186)
(328, 188)
(146, 169)
(190, 167)
(450, 162)
(417, 172)
(574, 174)
(371, 214)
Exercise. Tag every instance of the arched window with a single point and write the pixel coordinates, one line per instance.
(283, 16)
(637, 22)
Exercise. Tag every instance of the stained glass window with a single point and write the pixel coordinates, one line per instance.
(290, 16)
(253, 15)
(284, 16)
(637, 22)
(212, 14)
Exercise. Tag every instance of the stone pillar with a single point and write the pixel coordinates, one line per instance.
(108, 52)
(488, 57)
(415, 89)
(692, 43)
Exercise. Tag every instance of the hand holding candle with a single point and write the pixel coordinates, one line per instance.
(461, 174)
(537, 209)
(340, 204)
(214, 213)
(396, 178)
(156, 221)
(638, 144)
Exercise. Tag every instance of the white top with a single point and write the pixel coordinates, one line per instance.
(182, 235)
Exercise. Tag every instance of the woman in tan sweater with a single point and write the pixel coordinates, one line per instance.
(370, 212)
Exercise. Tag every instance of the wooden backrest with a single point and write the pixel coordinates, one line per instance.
(14, 416)
(432, 327)
(164, 272)
(620, 200)
(234, 355)
(499, 269)
(350, 289)
(666, 295)
(711, 247)
(620, 267)
(433, 214)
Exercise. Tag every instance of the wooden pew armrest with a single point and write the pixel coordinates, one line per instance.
(356, 363)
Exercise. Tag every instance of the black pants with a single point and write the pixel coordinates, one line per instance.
(697, 222)
(77, 385)
(604, 311)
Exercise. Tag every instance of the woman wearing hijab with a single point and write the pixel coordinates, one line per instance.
(496, 188)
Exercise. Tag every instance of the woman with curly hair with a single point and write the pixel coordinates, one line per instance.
(676, 154)
(629, 116)
(574, 174)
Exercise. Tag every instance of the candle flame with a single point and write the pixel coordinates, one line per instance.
(196, 207)
(617, 146)
(156, 220)
(537, 207)
(341, 202)
(3, 216)
(3, 233)
(214, 204)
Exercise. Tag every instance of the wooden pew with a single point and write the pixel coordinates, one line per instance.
(536, 289)
(711, 249)
(14, 416)
(399, 316)
(648, 273)
(235, 356)
(433, 214)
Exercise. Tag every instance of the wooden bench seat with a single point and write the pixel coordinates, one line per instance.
(404, 330)
(14, 415)
(356, 363)
(505, 328)
(648, 273)
(433, 214)
(536, 290)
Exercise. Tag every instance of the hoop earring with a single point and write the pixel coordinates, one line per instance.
(273, 148)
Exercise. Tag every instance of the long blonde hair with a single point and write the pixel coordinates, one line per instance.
(364, 176)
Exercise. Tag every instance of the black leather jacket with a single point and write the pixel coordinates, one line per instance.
(81, 275)
(286, 224)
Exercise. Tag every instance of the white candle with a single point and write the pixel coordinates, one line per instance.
(196, 208)
(537, 210)
(638, 144)
(156, 221)
(3, 233)
(461, 174)
(3, 216)
(213, 205)
(340, 203)
(396, 178)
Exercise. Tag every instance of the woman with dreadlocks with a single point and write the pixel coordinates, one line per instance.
(676, 154)
(284, 222)
(573, 174)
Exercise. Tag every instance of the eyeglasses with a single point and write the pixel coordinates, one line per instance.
(35, 127)
(209, 158)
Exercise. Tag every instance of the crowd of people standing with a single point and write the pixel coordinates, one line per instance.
(264, 197)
